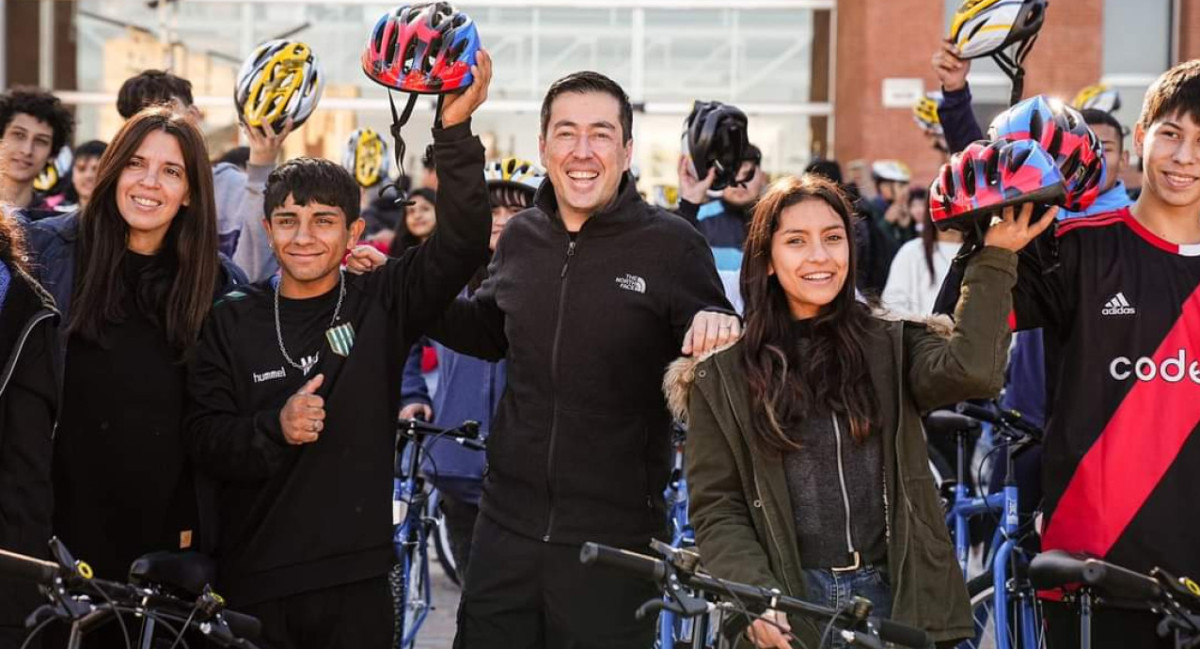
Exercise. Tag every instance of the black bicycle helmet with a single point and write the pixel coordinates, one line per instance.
(714, 136)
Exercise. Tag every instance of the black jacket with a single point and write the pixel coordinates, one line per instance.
(52, 244)
(299, 518)
(28, 405)
(579, 450)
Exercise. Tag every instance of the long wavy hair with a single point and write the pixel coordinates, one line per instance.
(832, 374)
(178, 291)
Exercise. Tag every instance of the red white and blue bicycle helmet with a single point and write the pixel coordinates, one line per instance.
(1062, 132)
(986, 177)
(423, 47)
(420, 48)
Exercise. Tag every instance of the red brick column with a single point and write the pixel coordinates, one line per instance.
(1189, 30)
(875, 41)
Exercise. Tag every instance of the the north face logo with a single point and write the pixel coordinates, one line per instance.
(1118, 305)
(632, 283)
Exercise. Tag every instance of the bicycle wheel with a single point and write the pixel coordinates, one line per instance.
(441, 539)
(983, 609)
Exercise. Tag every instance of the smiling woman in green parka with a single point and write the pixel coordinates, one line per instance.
(806, 459)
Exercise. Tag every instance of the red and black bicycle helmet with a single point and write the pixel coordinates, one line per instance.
(1062, 132)
(986, 177)
(423, 47)
(715, 136)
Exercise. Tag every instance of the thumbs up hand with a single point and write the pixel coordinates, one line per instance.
(303, 416)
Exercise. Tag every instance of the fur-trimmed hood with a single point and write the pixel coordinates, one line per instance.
(681, 373)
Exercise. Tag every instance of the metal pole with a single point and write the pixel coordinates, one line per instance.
(46, 44)
(3, 46)
(830, 131)
(637, 56)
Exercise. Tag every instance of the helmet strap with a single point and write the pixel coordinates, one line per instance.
(399, 119)
(1013, 66)
(1015, 72)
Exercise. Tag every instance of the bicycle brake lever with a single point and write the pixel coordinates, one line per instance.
(654, 606)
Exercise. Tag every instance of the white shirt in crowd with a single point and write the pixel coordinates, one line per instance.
(910, 290)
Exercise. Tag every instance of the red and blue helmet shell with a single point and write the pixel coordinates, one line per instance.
(986, 177)
(1062, 133)
(423, 47)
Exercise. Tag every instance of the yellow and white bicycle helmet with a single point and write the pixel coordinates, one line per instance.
(280, 79)
(366, 158)
(55, 171)
(983, 27)
(515, 172)
(1099, 96)
(891, 170)
(925, 113)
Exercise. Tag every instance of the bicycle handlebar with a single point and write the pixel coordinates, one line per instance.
(657, 570)
(638, 564)
(468, 430)
(225, 627)
(1056, 568)
(999, 417)
(19, 566)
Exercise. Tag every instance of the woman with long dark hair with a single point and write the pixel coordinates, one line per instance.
(806, 459)
(28, 404)
(135, 274)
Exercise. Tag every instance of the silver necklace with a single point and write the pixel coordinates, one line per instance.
(279, 329)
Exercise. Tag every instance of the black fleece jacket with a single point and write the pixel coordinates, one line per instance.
(28, 405)
(299, 518)
(579, 449)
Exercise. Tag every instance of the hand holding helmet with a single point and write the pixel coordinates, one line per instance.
(949, 66)
(1013, 230)
(715, 138)
(458, 106)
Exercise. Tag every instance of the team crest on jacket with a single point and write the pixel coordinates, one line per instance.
(341, 339)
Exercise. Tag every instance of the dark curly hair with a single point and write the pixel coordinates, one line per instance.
(42, 106)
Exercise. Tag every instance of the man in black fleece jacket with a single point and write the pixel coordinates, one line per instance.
(589, 296)
(296, 385)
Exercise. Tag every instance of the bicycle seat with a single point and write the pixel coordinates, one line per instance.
(1058, 568)
(186, 573)
(944, 422)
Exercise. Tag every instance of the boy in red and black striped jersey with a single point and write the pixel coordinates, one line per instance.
(1121, 313)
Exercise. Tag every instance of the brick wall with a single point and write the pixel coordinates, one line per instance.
(875, 41)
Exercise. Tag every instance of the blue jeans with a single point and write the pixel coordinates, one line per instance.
(834, 590)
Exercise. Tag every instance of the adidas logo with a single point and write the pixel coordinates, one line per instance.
(1118, 305)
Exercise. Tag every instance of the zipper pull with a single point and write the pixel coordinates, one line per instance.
(570, 253)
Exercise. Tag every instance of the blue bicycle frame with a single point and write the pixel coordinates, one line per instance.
(670, 625)
(1004, 544)
(410, 542)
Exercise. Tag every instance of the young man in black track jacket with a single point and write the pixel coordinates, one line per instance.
(296, 386)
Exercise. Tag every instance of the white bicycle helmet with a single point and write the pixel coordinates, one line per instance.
(366, 158)
(515, 172)
(891, 170)
(984, 27)
(1099, 96)
(280, 79)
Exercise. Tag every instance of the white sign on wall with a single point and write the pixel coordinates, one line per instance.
(902, 92)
